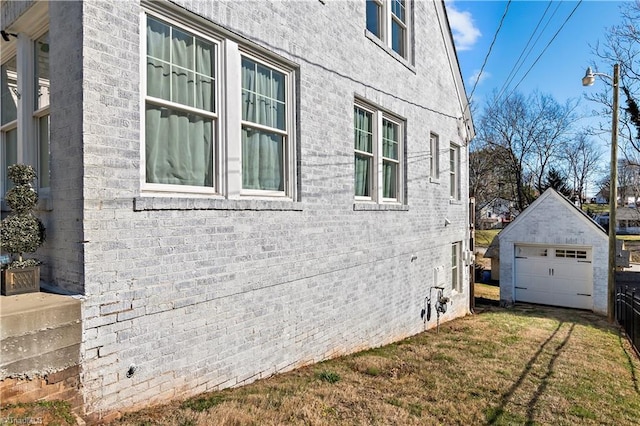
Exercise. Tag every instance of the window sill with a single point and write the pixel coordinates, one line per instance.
(434, 180)
(455, 202)
(372, 207)
(404, 61)
(176, 203)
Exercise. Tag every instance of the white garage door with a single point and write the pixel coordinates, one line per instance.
(559, 276)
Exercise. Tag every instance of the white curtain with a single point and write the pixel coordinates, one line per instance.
(179, 146)
(363, 142)
(263, 102)
(390, 151)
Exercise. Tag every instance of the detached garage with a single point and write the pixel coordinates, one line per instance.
(554, 254)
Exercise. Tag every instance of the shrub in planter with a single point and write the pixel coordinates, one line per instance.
(21, 232)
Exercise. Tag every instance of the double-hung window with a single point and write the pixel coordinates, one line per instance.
(24, 106)
(434, 163)
(9, 117)
(456, 277)
(454, 172)
(181, 120)
(199, 141)
(387, 20)
(264, 127)
(379, 154)
(41, 108)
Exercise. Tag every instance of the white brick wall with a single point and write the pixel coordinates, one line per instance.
(202, 294)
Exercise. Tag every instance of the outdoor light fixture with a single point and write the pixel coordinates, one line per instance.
(588, 80)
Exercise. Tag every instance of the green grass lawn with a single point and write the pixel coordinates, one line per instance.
(525, 365)
(485, 236)
(528, 365)
(595, 208)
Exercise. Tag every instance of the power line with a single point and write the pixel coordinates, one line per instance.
(518, 64)
(545, 48)
(486, 58)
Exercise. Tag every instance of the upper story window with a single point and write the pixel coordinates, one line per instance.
(387, 20)
(454, 172)
(231, 137)
(434, 159)
(378, 155)
(24, 106)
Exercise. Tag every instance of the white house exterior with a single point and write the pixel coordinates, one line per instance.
(496, 214)
(238, 188)
(554, 254)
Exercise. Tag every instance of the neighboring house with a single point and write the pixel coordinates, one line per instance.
(600, 198)
(554, 254)
(238, 188)
(627, 219)
(495, 214)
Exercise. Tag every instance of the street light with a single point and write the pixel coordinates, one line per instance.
(588, 80)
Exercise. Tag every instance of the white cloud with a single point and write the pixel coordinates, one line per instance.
(465, 33)
(485, 75)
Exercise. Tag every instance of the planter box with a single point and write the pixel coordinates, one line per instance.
(20, 280)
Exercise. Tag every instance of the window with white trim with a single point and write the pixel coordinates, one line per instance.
(454, 172)
(9, 117)
(387, 20)
(379, 155)
(180, 118)
(434, 159)
(24, 106)
(41, 108)
(456, 276)
(186, 146)
(264, 127)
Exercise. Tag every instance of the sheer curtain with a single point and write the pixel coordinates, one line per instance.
(263, 103)
(179, 146)
(389, 152)
(363, 142)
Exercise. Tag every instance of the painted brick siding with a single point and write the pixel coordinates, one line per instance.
(203, 294)
(63, 261)
(552, 222)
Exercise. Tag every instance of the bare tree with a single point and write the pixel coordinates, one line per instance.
(488, 177)
(622, 46)
(525, 136)
(583, 157)
(628, 180)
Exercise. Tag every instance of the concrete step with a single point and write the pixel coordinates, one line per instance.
(39, 333)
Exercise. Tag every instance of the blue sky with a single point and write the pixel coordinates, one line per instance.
(560, 68)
